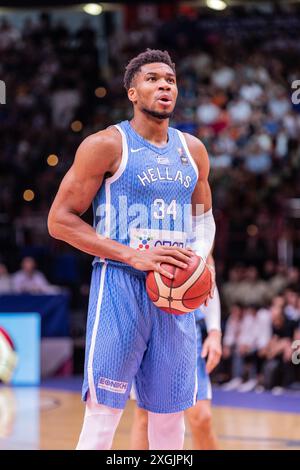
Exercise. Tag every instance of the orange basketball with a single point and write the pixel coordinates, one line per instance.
(188, 289)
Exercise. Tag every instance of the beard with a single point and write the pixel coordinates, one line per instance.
(156, 114)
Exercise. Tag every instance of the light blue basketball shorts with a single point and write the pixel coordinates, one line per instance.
(129, 337)
(204, 391)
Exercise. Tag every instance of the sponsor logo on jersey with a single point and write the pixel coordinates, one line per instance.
(137, 150)
(163, 160)
(183, 158)
(112, 385)
(145, 239)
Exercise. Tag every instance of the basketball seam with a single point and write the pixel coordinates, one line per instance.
(187, 300)
(180, 299)
(195, 283)
(172, 289)
(180, 285)
(153, 292)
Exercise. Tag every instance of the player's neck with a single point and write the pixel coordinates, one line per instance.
(151, 129)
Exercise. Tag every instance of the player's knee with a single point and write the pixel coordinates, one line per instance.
(167, 422)
(201, 420)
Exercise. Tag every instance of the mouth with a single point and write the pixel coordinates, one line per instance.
(164, 100)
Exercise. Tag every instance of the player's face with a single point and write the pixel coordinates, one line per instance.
(154, 90)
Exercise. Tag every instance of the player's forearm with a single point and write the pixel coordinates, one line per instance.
(71, 229)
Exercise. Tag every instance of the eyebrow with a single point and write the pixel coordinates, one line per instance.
(170, 74)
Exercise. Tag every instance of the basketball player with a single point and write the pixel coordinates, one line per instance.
(199, 416)
(140, 176)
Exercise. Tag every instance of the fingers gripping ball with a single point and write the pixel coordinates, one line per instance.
(188, 289)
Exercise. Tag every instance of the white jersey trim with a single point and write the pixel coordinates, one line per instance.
(193, 163)
(114, 178)
(196, 369)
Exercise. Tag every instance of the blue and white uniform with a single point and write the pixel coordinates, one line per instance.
(146, 203)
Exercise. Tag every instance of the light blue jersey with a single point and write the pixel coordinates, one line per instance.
(146, 203)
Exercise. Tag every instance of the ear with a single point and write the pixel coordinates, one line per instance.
(132, 94)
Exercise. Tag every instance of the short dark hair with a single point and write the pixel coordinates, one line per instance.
(147, 57)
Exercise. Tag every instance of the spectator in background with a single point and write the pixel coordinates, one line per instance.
(31, 281)
(251, 337)
(278, 370)
(230, 289)
(5, 280)
(296, 351)
(291, 309)
(252, 290)
(279, 281)
(278, 301)
(293, 278)
(261, 288)
(232, 329)
(230, 340)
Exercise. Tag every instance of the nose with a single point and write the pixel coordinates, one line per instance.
(164, 85)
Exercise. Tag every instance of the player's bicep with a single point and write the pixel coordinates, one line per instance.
(76, 192)
(82, 181)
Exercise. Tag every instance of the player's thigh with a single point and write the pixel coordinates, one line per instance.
(117, 328)
(166, 380)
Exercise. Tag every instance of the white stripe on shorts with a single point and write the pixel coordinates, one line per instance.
(92, 388)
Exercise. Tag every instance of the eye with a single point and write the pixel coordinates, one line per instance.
(171, 80)
(150, 79)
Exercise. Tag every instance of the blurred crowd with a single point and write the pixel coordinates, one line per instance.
(261, 329)
(28, 280)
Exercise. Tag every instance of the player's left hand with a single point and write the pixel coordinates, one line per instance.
(212, 349)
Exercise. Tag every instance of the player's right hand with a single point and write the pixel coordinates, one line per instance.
(151, 260)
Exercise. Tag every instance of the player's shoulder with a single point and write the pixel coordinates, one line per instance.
(198, 152)
(194, 144)
(108, 140)
(100, 152)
